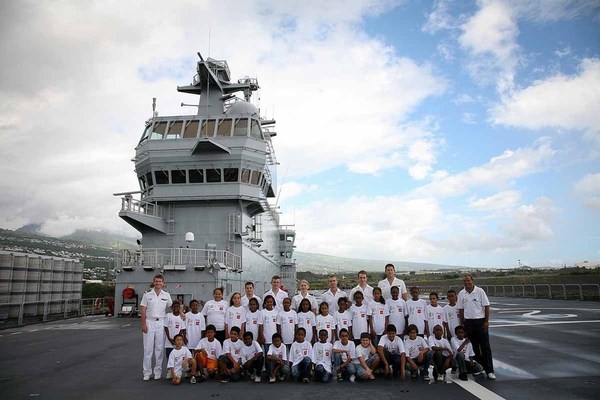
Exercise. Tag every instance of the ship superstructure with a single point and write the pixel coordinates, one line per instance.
(202, 208)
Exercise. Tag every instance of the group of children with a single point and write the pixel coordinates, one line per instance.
(350, 344)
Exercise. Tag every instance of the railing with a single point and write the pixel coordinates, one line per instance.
(128, 203)
(566, 291)
(17, 314)
(161, 258)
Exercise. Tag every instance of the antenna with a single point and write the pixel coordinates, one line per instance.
(281, 187)
(154, 114)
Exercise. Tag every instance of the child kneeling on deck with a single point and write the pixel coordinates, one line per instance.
(230, 363)
(463, 355)
(181, 361)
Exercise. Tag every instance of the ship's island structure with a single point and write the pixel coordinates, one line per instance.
(202, 209)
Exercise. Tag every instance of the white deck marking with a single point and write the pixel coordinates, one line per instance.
(477, 390)
(517, 371)
(533, 323)
(16, 333)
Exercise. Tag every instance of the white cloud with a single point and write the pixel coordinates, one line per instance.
(439, 18)
(565, 102)
(290, 190)
(532, 222)
(589, 188)
(497, 201)
(468, 118)
(490, 36)
(497, 173)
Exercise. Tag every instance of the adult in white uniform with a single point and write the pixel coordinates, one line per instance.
(276, 292)
(474, 308)
(332, 295)
(153, 309)
(391, 280)
(363, 287)
(303, 286)
(249, 288)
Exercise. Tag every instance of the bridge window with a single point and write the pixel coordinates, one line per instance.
(224, 127)
(255, 130)
(230, 174)
(289, 238)
(241, 127)
(213, 175)
(245, 175)
(142, 180)
(175, 130)
(149, 178)
(208, 128)
(178, 176)
(159, 130)
(196, 175)
(255, 177)
(191, 129)
(161, 177)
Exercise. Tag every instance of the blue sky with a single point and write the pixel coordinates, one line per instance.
(455, 132)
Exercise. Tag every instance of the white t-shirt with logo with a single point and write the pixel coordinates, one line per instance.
(308, 321)
(443, 342)
(268, 319)
(213, 349)
(233, 348)
(248, 352)
(328, 323)
(298, 351)
(378, 313)
(177, 358)
(215, 312)
(360, 316)
(394, 347)
(193, 329)
(287, 321)
(451, 314)
(175, 325)
(435, 316)
(416, 314)
(414, 347)
(397, 311)
(253, 321)
(236, 316)
(342, 320)
(322, 353)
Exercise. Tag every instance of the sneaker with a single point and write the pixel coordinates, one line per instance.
(352, 378)
(272, 379)
(281, 377)
(372, 376)
(200, 378)
(225, 379)
(146, 377)
(339, 376)
(169, 375)
(252, 376)
(491, 376)
(257, 379)
(478, 373)
(453, 371)
(156, 377)
(426, 378)
(305, 380)
(463, 376)
(414, 374)
(193, 380)
(441, 378)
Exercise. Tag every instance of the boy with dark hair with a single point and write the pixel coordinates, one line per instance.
(252, 357)
(181, 361)
(230, 362)
(418, 356)
(277, 362)
(392, 353)
(300, 357)
(463, 355)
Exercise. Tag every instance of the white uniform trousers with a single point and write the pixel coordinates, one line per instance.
(154, 342)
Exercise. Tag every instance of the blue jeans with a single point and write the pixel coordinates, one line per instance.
(302, 369)
(321, 374)
(424, 365)
(360, 371)
(346, 371)
(271, 366)
(394, 360)
(464, 367)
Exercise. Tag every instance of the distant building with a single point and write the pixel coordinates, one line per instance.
(40, 285)
(587, 264)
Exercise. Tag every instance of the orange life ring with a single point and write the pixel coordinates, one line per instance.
(128, 293)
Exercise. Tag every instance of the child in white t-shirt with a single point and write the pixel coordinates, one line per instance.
(361, 318)
(367, 359)
(416, 312)
(451, 317)
(236, 314)
(442, 353)
(174, 325)
(195, 325)
(307, 320)
(392, 353)
(181, 361)
(418, 356)
(253, 320)
(230, 362)
(379, 314)
(322, 353)
(397, 311)
(300, 357)
(463, 355)
(252, 357)
(342, 317)
(326, 321)
(434, 314)
(344, 351)
(207, 352)
(277, 362)
(268, 322)
(287, 321)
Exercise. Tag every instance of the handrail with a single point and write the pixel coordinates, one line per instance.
(161, 257)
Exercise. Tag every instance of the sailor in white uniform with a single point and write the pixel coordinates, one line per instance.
(153, 309)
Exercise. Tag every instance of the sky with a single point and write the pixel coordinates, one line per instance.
(454, 132)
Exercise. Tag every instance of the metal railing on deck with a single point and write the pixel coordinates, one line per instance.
(159, 258)
(141, 207)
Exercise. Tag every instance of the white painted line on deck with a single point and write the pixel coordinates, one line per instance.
(477, 390)
(533, 323)
(16, 333)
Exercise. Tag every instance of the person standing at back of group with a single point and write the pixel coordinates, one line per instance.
(249, 289)
(390, 280)
(277, 293)
(333, 294)
(153, 309)
(304, 286)
(474, 307)
(363, 287)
